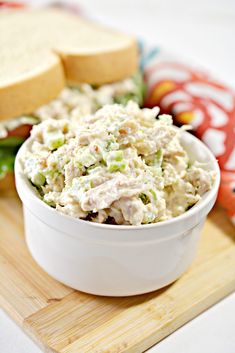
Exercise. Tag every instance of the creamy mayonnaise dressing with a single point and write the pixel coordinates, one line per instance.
(121, 165)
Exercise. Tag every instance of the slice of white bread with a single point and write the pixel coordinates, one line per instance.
(39, 50)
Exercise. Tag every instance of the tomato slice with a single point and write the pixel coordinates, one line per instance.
(21, 131)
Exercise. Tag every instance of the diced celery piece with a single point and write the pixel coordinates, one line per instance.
(159, 157)
(154, 194)
(116, 166)
(38, 179)
(119, 156)
(54, 139)
(115, 156)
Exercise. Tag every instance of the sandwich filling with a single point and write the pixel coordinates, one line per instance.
(121, 165)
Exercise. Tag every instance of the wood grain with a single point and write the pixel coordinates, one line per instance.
(24, 287)
(62, 320)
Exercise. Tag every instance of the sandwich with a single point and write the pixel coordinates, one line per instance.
(57, 65)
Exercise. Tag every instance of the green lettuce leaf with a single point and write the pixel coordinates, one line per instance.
(138, 93)
(7, 158)
(11, 141)
(8, 149)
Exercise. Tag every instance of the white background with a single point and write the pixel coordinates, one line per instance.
(203, 31)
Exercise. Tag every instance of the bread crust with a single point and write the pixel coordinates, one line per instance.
(101, 68)
(25, 96)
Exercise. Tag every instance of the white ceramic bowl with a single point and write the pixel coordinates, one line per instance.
(114, 260)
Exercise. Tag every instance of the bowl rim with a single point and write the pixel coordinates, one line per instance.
(207, 197)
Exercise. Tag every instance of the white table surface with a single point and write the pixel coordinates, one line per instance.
(204, 31)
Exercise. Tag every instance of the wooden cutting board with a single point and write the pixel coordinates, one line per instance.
(62, 320)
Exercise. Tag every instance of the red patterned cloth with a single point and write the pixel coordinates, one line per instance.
(193, 97)
(12, 4)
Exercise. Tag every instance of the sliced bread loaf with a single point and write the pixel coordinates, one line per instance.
(40, 50)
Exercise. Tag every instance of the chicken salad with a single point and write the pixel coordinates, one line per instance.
(120, 165)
